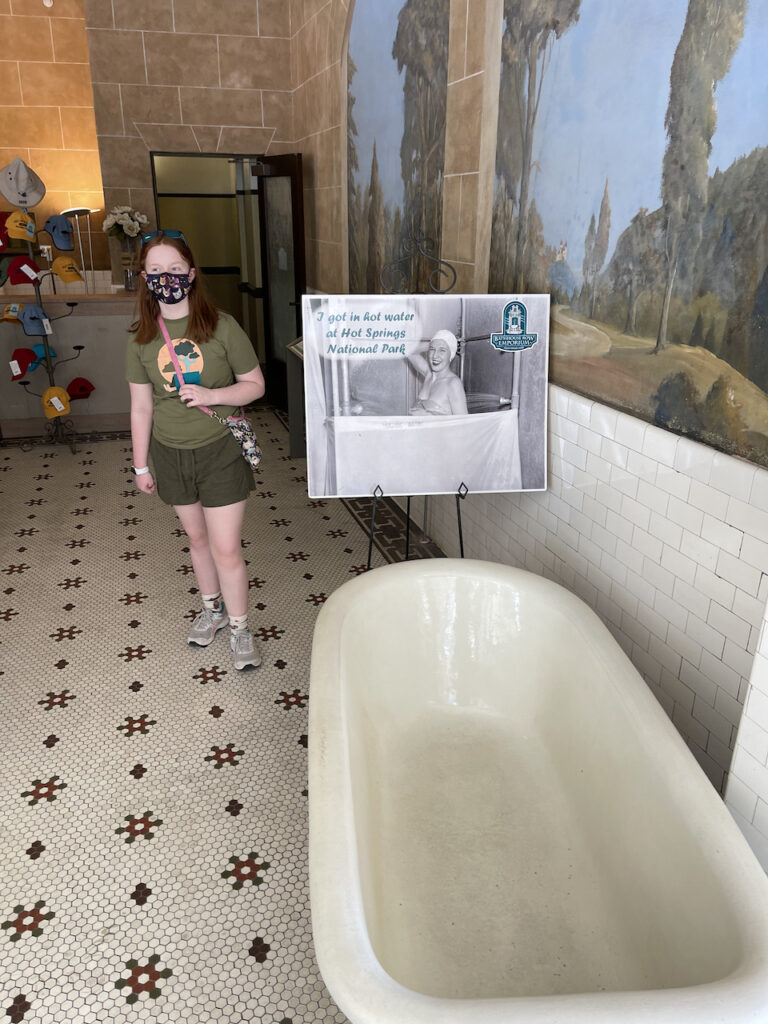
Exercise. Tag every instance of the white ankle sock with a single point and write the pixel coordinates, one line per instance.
(238, 623)
(213, 602)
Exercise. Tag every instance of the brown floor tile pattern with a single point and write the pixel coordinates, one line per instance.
(153, 800)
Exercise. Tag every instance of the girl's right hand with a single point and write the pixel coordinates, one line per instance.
(145, 482)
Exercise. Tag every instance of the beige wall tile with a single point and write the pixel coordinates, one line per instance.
(125, 163)
(10, 83)
(152, 15)
(312, 7)
(278, 113)
(79, 127)
(464, 113)
(176, 59)
(70, 42)
(7, 155)
(248, 62)
(298, 15)
(328, 272)
(25, 37)
(5, 8)
(274, 18)
(98, 14)
(465, 278)
(280, 148)
(329, 154)
(328, 214)
(305, 52)
(451, 208)
(143, 200)
(116, 56)
(68, 169)
(44, 85)
(467, 235)
(42, 131)
(245, 140)
(235, 107)
(52, 202)
(147, 104)
(117, 197)
(61, 9)
(108, 109)
(219, 17)
(178, 138)
(94, 201)
(476, 32)
(457, 38)
(207, 137)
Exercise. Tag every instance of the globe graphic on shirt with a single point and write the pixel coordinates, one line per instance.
(190, 360)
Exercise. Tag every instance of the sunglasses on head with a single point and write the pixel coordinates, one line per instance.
(166, 233)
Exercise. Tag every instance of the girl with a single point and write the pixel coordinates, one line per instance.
(441, 392)
(197, 466)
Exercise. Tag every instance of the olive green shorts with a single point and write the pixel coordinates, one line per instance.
(215, 474)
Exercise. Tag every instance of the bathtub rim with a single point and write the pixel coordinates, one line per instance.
(355, 978)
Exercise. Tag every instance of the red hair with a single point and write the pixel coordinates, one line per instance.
(203, 315)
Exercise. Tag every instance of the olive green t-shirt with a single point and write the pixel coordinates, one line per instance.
(226, 353)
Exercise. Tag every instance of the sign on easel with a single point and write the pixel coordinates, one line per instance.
(421, 394)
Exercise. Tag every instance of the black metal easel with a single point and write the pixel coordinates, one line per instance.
(394, 277)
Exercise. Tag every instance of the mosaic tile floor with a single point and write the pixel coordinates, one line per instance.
(153, 802)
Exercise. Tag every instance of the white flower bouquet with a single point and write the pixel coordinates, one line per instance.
(123, 222)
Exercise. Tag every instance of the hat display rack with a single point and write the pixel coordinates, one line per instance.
(22, 188)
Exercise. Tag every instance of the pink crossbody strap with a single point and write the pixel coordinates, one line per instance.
(177, 368)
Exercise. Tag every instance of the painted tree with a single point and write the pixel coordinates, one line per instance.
(503, 235)
(421, 49)
(355, 200)
(375, 229)
(596, 247)
(530, 30)
(637, 263)
(711, 34)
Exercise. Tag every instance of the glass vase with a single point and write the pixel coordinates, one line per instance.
(129, 259)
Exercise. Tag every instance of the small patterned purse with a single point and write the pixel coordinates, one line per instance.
(239, 426)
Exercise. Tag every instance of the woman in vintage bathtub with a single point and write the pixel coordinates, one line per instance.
(441, 392)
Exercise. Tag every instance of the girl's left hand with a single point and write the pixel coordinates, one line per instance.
(193, 395)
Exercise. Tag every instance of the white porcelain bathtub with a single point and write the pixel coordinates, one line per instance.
(505, 826)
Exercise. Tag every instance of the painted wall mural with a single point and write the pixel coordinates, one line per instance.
(397, 83)
(630, 183)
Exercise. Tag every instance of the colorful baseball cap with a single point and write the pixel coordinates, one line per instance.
(32, 318)
(55, 402)
(20, 225)
(11, 310)
(3, 230)
(23, 357)
(66, 269)
(39, 353)
(5, 263)
(20, 185)
(60, 229)
(22, 270)
(79, 388)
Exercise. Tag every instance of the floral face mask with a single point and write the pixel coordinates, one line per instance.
(169, 288)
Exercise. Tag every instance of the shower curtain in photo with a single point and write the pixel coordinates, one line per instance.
(424, 394)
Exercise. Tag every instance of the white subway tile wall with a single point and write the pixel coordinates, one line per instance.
(667, 540)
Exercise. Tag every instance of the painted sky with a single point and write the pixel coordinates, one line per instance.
(602, 109)
(378, 91)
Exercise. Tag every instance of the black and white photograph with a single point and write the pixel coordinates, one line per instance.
(425, 394)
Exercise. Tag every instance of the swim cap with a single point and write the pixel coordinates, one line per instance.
(449, 339)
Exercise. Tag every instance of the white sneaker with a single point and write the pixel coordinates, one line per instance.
(245, 650)
(206, 625)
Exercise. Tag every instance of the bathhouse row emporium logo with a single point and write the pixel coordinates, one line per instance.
(515, 337)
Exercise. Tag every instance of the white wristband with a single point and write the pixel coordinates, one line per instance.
(140, 472)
